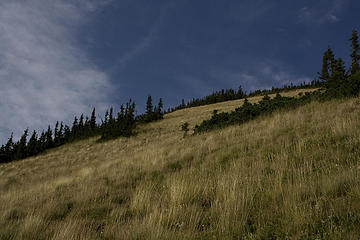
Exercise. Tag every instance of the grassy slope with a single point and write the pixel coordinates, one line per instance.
(293, 174)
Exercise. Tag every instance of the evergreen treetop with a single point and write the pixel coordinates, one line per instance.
(355, 54)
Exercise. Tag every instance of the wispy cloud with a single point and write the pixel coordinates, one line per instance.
(322, 12)
(44, 75)
(266, 75)
(145, 42)
(249, 10)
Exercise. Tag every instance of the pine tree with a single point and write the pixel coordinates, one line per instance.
(149, 106)
(332, 60)
(67, 134)
(42, 142)
(9, 150)
(74, 129)
(49, 142)
(21, 151)
(106, 118)
(336, 85)
(324, 75)
(159, 113)
(87, 128)
(327, 65)
(160, 105)
(3, 157)
(32, 148)
(240, 93)
(93, 121)
(149, 115)
(81, 124)
(61, 133)
(56, 134)
(355, 55)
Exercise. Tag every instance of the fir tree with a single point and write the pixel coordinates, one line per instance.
(3, 157)
(67, 134)
(160, 105)
(21, 151)
(106, 118)
(336, 85)
(42, 142)
(81, 124)
(32, 148)
(75, 127)
(61, 133)
(8, 150)
(159, 113)
(93, 120)
(87, 128)
(183, 103)
(240, 93)
(149, 115)
(111, 117)
(324, 75)
(149, 106)
(49, 143)
(328, 65)
(355, 54)
(56, 134)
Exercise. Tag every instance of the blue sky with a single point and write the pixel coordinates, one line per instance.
(62, 57)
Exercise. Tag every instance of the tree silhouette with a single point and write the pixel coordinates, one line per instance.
(21, 151)
(355, 56)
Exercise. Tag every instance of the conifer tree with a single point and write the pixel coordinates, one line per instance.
(336, 85)
(121, 113)
(49, 143)
(355, 54)
(159, 113)
(81, 124)
(160, 105)
(61, 134)
(111, 117)
(21, 151)
(87, 128)
(328, 65)
(32, 148)
(183, 103)
(93, 120)
(149, 115)
(42, 141)
(106, 119)
(240, 93)
(324, 75)
(3, 157)
(56, 134)
(67, 134)
(149, 106)
(74, 129)
(9, 149)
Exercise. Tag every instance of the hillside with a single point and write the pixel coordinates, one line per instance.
(292, 174)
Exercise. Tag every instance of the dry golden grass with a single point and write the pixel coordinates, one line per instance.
(289, 175)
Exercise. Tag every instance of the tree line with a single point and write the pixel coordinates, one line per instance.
(113, 125)
(231, 94)
(337, 81)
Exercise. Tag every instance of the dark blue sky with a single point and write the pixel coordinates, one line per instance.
(185, 49)
(62, 57)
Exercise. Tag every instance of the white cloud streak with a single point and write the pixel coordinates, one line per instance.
(146, 41)
(44, 75)
(267, 75)
(249, 10)
(323, 12)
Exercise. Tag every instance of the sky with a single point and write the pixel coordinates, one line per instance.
(61, 58)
